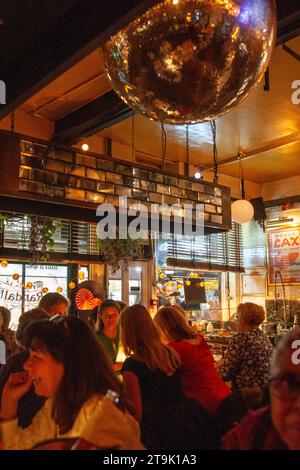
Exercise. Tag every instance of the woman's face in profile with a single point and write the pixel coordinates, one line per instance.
(46, 373)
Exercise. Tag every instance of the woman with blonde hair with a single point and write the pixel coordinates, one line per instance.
(151, 377)
(248, 357)
(199, 379)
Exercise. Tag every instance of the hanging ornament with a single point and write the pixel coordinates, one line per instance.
(188, 283)
(29, 285)
(59, 290)
(81, 276)
(179, 286)
(4, 263)
(16, 277)
(191, 60)
(84, 300)
(45, 290)
(161, 276)
(72, 285)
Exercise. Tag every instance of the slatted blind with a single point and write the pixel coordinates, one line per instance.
(218, 251)
(254, 246)
(71, 237)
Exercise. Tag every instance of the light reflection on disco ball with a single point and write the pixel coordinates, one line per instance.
(192, 60)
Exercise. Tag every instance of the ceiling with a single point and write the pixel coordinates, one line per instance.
(75, 93)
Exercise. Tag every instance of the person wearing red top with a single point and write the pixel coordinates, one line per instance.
(199, 379)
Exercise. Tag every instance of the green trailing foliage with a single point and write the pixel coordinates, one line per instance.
(41, 237)
(118, 252)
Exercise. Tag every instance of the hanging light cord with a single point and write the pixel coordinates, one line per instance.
(12, 122)
(240, 156)
(187, 150)
(213, 126)
(133, 138)
(163, 146)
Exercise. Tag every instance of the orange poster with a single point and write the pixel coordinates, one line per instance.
(284, 254)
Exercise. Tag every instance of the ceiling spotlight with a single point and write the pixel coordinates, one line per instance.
(197, 175)
(85, 147)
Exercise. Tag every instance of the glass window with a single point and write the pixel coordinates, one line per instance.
(135, 285)
(11, 291)
(37, 279)
(43, 276)
(115, 285)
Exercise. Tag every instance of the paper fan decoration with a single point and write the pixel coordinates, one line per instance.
(84, 300)
(88, 295)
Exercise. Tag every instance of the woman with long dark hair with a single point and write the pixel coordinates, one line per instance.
(68, 366)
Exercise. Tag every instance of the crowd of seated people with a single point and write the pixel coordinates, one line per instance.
(169, 394)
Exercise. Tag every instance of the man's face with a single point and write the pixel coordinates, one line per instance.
(110, 316)
(285, 399)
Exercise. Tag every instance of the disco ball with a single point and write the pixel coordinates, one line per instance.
(188, 61)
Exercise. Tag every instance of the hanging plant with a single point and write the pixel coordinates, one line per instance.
(41, 237)
(118, 252)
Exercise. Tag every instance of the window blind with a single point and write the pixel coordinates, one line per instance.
(217, 252)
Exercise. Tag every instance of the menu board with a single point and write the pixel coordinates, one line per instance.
(284, 254)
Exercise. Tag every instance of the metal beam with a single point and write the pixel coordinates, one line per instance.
(288, 27)
(103, 112)
(85, 27)
(247, 154)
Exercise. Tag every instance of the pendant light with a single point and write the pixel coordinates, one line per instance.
(242, 210)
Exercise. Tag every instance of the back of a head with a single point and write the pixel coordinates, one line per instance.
(122, 304)
(137, 329)
(26, 319)
(5, 317)
(173, 324)
(286, 343)
(251, 314)
(52, 298)
(140, 337)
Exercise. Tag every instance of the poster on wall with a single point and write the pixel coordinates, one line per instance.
(284, 254)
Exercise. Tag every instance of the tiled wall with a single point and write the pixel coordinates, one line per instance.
(65, 174)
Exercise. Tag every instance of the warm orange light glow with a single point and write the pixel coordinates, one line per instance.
(85, 147)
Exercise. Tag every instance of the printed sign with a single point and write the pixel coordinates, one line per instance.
(284, 255)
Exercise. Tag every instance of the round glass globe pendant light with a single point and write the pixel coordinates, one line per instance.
(242, 210)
